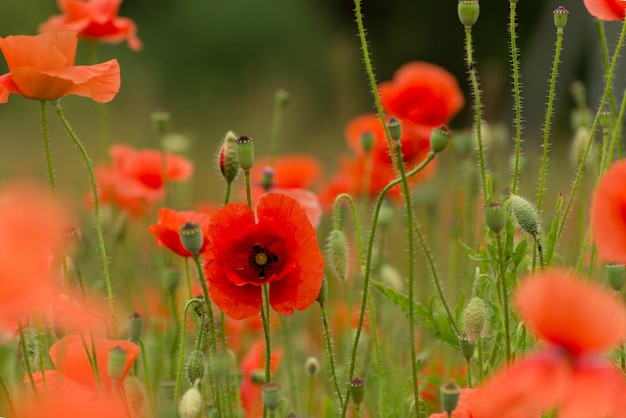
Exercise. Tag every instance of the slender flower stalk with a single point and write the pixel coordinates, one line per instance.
(516, 92)
(331, 357)
(281, 99)
(181, 348)
(7, 395)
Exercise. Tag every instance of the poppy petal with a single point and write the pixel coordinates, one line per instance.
(608, 214)
(606, 9)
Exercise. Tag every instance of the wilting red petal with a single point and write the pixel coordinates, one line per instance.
(571, 313)
(608, 214)
(606, 9)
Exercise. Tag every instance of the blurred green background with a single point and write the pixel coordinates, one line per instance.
(215, 64)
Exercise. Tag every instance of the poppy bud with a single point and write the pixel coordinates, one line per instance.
(171, 278)
(117, 362)
(190, 405)
(191, 237)
(605, 119)
(439, 139)
(449, 394)
(367, 141)
(357, 390)
(257, 377)
(312, 366)
(321, 297)
(228, 161)
(160, 121)
(281, 98)
(271, 396)
(468, 11)
(337, 254)
(467, 348)
(474, 317)
(615, 274)
(525, 215)
(245, 152)
(560, 18)
(395, 128)
(495, 216)
(135, 325)
(194, 368)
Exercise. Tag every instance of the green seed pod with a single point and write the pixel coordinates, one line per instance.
(337, 254)
(395, 128)
(194, 367)
(367, 141)
(228, 161)
(245, 152)
(495, 216)
(281, 98)
(616, 274)
(135, 325)
(191, 237)
(160, 121)
(560, 18)
(357, 390)
(257, 377)
(312, 366)
(605, 119)
(117, 363)
(468, 11)
(467, 348)
(474, 317)
(271, 396)
(525, 215)
(190, 405)
(449, 394)
(439, 139)
(321, 297)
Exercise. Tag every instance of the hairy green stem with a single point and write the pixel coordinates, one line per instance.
(516, 92)
(331, 356)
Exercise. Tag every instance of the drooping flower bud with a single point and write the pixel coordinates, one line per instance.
(321, 297)
(271, 396)
(468, 11)
(474, 317)
(525, 215)
(117, 362)
(560, 18)
(194, 368)
(228, 161)
(616, 274)
(439, 139)
(337, 254)
(312, 366)
(395, 128)
(357, 390)
(191, 237)
(449, 394)
(467, 348)
(495, 216)
(190, 405)
(135, 326)
(245, 152)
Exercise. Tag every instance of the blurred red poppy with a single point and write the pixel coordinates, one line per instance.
(250, 391)
(42, 68)
(607, 213)
(578, 321)
(170, 221)
(95, 20)
(464, 409)
(277, 247)
(422, 93)
(606, 9)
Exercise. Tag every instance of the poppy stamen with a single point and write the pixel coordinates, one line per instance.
(261, 259)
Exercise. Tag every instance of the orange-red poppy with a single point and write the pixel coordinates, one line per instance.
(68, 406)
(250, 391)
(578, 321)
(607, 213)
(166, 228)
(95, 20)
(289, 171)
(135, 180)
(606, 9)
(42, 68)
(277, 247)
(422, 93)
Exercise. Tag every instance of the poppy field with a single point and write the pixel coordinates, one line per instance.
(422, 267)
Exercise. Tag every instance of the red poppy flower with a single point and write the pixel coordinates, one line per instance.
(577, 320)
(73, 372)
(69, 406)
(278, 247)
(95, 20)
(42, 68)
(289, 171)
(170, 221)
(250, 391)
(607, 213)
(606, 9)
(135, 180)
(422, 93)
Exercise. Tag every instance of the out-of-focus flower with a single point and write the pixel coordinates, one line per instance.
(67, 405)
(578, 321)
(135, 180)
(464, 409)
(278, 247)
(95, 20)
(250, 391)
(607, 213)
(42, 67)
(170, 221)
(422, 93)
(606, 9)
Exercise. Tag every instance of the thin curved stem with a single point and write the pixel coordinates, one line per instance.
(181, 352)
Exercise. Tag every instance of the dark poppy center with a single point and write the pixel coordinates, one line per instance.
(261, 259)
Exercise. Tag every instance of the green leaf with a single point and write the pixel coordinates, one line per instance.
(520, 252)
(473, 255)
